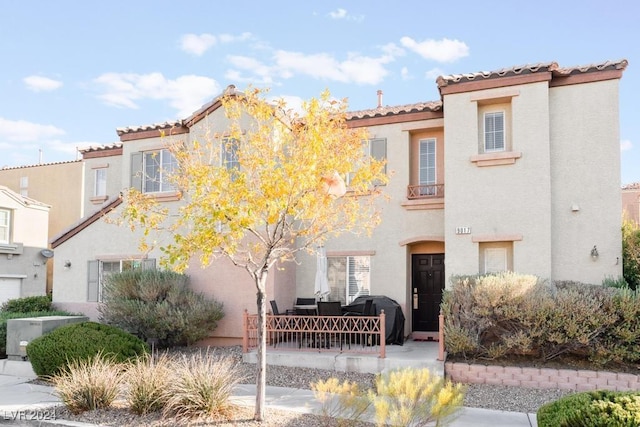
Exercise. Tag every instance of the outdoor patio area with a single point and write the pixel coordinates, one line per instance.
(418, 354)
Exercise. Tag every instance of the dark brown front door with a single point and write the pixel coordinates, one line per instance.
(427, 286)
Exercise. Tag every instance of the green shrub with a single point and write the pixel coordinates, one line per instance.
(619, 283)
(4, 316)
(201, 385)
(593, 409)
(89, 384)
(52, 353)
(27, 304)
(159, 305)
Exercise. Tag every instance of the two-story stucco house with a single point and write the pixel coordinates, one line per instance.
(23, 246)
(516, 169)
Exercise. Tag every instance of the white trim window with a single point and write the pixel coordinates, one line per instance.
(494, 131)
(24, 186)
(495, 260)
(100, 270)
(427, 166)
(100, 188)
(349, 277)
(158, 167)
(5, 226)
(229, 157)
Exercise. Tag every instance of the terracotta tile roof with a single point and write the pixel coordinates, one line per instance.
(552, 67)
(397, 109)
(231, 89)
(105, 147)
(39, 164)
(632, 186)
(155, 126)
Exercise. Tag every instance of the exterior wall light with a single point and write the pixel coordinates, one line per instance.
(594, 253)
(67, 264)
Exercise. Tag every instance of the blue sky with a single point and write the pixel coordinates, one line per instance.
(71, 72)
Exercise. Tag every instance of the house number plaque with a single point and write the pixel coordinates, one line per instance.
(463, 230)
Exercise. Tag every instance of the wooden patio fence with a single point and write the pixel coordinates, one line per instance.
(345, 334)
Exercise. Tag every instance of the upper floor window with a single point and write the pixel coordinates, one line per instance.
(24, 186)
(494, 132)
(349, 277)
(427, 166)
(158, 166)
(5, 226)
(100, 182)
(229, 150)
(376, 149)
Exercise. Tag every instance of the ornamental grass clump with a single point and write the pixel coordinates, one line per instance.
(148, 378)
(201, 385)
(405, 397)
(89, 384)
(342, 403)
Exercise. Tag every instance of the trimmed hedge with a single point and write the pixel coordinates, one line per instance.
(51, 353)
(4, 316)
(27, 304)
(594, 409)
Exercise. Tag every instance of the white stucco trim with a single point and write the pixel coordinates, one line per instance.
(483, 238)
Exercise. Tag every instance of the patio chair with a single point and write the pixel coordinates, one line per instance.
(279, 337)
(331, 308)
(305, 301)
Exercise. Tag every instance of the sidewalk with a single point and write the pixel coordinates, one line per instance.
(19, 398)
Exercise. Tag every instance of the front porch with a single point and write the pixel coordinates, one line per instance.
(416, 354)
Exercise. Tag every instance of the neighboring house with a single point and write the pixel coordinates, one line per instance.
(631, 202)
(513, 170)
(23, 245)
(59, 185)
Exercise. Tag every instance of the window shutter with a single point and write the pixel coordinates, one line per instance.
(93, 280)
(136, 171)
(149, 264)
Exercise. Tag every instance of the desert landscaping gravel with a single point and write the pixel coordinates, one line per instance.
(477, 395)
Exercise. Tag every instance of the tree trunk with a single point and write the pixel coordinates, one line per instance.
(261, 364)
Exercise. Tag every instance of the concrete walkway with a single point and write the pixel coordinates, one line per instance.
(19, 400)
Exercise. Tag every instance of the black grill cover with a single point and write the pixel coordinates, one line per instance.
(394, 319)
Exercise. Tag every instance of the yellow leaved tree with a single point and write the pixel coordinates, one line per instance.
(279, 190)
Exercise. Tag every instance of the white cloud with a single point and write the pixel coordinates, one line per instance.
(24, 131)
(404, 72)
(342, 14)
(444, 50)
(261, 73)
(197, 44)
(338, 14)
(356, 69)
(186, 93)
(625, 145)
(41, 84)
(228, 38)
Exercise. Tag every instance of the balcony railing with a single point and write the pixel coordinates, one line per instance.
(425, 191)
(344, 334)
